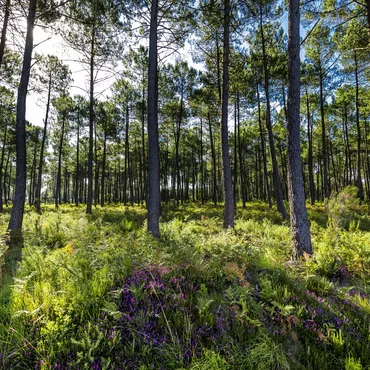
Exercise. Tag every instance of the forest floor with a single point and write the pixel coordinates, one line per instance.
(97, 292)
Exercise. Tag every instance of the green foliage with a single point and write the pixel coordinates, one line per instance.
(202, 297)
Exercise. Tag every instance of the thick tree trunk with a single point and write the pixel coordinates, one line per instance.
(154, 202)
(16, 218)
(4, 30)
(229, 207)
(299, 223)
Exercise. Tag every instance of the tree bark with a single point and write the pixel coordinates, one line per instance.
(299, 223)
(154, 205)
(4, 30)
(229, 207)
(16, 218)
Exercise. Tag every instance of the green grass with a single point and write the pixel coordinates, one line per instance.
(98, 292)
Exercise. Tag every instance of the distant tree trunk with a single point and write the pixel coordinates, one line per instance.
(201, 162)
(143, 143)
(59, 172)
(367, 158)
(91, 126)
(129, 164)
(6, 180)
(263, 147)
(359, 178)
(310, 152)
(16, 218)
(323, 133)
(275, 168)
(214, 164)
(235, 151)
(299, 223)
(242, 179)
(96, 186)
(2, 166)
(77, 176)
(154, 205)
(4, 30)
(42, 149)
(102, 201)
(33, 176)
(229, 207)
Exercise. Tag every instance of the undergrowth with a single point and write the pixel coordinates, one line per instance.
(97, 292)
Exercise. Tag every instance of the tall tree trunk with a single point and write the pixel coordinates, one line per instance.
(323, 138)
(201, 162)
(59, 172)
(214, 164)
(96, 186)
(154, 202)
(6, 179)
(263, 147)
(16, 218)
(275, 168)
(235, 152)
(143, 143)
(229, 207)
(91, 125)
(242, 179)
(4, 30)
(367, 158)
(310, 152)
(102, 201)
(42, 149)
(359, 178)
(77, 176)
(2, 166)
(129, 164)
(33, 176)
(299, 223)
